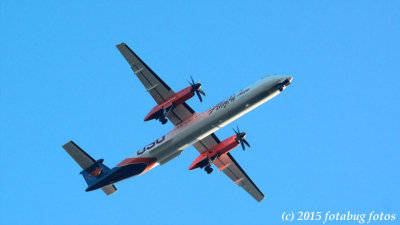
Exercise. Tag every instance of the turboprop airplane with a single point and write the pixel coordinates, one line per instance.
(190, 128)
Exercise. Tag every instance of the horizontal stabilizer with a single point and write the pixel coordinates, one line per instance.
(109, 189)
(81, 157)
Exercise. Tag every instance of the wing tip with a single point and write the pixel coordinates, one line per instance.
(260, 199)
(121, 44)
(68, 143)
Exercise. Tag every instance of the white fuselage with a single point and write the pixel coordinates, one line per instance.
(203, 124)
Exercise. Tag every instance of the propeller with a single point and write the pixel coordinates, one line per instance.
(240, 138)
(196, 88)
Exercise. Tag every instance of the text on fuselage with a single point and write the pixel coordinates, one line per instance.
(151, 145)
(226, 102)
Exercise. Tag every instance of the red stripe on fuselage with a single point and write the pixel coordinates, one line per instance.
(149, 161)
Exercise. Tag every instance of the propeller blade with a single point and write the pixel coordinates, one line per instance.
(192, 79)
(247, 143)
(242, 145)
(234, 131)
(238, 129)
(201, 92)
(198, 95)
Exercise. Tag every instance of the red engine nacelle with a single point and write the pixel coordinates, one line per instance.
(222, 148)
(177, 99)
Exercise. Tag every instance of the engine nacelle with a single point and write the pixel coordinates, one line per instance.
(222, 148)
(159, 112)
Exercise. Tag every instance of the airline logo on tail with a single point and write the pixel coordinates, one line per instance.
(96, 172)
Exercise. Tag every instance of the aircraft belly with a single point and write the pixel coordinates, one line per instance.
(170, 157)
(207, 123)
(245, 107)
(242, 106)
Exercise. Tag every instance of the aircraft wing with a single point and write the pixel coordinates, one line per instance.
(160, 92)
(230, 167)
(157, 88)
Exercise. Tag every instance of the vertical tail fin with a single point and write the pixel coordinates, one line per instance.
(92, 170)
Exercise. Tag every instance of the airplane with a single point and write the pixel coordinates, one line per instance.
(190, 128)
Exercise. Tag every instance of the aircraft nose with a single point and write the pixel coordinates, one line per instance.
(285, 79)
(288, 80)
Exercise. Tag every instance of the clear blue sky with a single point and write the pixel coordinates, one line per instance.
(330, 141)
